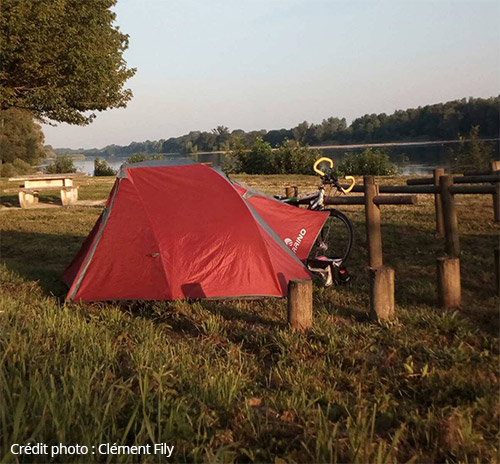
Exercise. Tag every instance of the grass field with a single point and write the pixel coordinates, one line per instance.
(227, 381)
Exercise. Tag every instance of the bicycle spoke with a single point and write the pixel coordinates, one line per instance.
(335, 239)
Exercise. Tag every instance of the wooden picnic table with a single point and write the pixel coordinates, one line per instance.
(31, 186)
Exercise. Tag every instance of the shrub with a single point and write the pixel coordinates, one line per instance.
(289, 158)
(102, 168)
(256, 160)
(471, 154)
(374, 162)
(140, 157)
(18, 166)
(22, 167)
(7, 170)
(293, 158)
(60, 165)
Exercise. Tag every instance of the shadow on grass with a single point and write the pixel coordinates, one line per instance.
(353, 313)
(410, 251)
(230, 312)
(39, 257)
(413, 252)
(12, 200)
(163, 312)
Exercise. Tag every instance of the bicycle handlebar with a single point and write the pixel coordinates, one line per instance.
(353, 183)
(319, 171)
(330, 177)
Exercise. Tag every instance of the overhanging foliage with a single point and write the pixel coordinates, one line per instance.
(60, 59)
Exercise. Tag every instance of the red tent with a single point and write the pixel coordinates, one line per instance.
(173, 231)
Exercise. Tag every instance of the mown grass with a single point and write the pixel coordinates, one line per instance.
(227, 381)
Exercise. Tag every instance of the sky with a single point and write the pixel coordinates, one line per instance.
(270, 64)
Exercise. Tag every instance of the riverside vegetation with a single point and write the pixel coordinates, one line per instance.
(22, 140)
(228, 381)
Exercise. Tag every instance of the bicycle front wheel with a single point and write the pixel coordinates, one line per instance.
(336, 238)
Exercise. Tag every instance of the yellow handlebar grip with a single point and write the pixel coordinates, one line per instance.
(319, 171)
(353, 182)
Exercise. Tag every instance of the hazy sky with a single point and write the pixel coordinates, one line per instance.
(268, 64)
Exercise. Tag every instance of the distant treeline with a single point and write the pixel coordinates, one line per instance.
(442, 121)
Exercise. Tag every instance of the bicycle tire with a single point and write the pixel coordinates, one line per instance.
(336, 239)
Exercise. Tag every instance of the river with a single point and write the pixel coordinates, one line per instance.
(410, 159)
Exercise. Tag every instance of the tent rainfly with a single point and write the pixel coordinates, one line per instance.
(184, 230)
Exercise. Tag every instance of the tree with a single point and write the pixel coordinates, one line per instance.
(302, 132)
(332, 127)
(62, 58)
(205, 141)
(189, 148)
(20, 138)
(276, 137)
(221, 137)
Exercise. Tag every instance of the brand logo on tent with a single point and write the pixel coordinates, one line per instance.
(295, 245)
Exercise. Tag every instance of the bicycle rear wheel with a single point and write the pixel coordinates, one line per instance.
(336, 238)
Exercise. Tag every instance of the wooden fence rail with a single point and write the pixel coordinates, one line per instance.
(430, 185)
(381, 277)
(448, 268)
(360, 200)
(429, 189)
(458, 179)
(491, 176)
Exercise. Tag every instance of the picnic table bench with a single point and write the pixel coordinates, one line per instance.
(31, 186)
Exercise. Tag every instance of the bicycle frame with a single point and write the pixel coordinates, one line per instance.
(327, 178)
(316, 196)
(332, 269)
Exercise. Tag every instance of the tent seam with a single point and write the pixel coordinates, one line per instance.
(259, 226)
(88, 259)
(254, 215)
(251, 192)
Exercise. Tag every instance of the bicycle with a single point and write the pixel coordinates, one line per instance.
(334, 244)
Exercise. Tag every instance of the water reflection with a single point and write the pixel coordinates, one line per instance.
(410, 160)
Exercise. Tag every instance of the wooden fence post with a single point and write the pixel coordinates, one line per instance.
(373, 232)
(496, 204)
(497, 269)
(291, 191)
(382, 293)
(449, 217)
(300, 304)
(449, 289)
(495, 166)
(438, 205)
